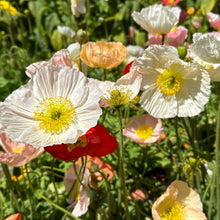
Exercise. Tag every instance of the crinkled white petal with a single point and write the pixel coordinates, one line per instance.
(158, 104)
(133, 52)
(17, 111)
(131, 81)
(206, 51)
(157, 19)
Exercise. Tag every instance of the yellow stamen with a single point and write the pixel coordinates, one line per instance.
(170, 82)
(174, 213)
(119, 97)
(81, 142)
(18, 150)
(174, 28)
(55, 114)
(144, 131)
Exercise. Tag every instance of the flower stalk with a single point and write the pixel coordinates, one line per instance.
(121, 166)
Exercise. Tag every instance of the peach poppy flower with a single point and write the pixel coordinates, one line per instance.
(17, 154)
(16, 216)
(214, 20)
(61, 57)
(174, 38)
(144, 130)
(178, 202)
(78, 197)
(103, 54)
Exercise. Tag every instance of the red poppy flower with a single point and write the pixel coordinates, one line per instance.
(97, 142)
(127, 68)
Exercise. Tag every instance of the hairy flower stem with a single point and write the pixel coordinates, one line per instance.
(10, 184)
(121, 167)
(180, 158)
(217, 161)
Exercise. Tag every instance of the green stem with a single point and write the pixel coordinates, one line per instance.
(121, 166)
(217, 162)
(60, 208)
(10, 184)
(53, 179)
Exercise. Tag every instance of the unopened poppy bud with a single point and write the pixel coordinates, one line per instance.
(182, 51)
(81, 36)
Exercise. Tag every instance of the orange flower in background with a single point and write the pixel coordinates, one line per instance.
(103, 54)
(16, 216)
(191, 11)
(178, 202)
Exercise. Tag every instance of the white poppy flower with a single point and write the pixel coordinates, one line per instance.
(123, 91)
(78, 196)
(157, 19)
(56, 106)
(78, 7)
(206, 51)
(65, 30)
(171, 86)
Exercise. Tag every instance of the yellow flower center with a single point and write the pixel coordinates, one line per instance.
(174, 213)
(169, 82)
(81, 142)
(119, 97)
(170, 1)
(75, 191)
(18, 150)
(55, 114)
(144, 131)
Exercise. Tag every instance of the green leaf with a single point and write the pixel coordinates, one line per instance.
(56, 40)
(140, 38)
(51, 21)
(207, 6)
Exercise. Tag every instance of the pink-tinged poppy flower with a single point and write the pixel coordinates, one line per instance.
(178, 202)
(138, 194)
(196, 24)
(17, 154)
(96, 142)
(143, 130)
(214, 20)
(78, 197)
(170, 2)
(61, 57)
(16, 216)
(174, 38)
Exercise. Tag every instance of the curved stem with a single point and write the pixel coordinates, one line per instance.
(121, 166)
